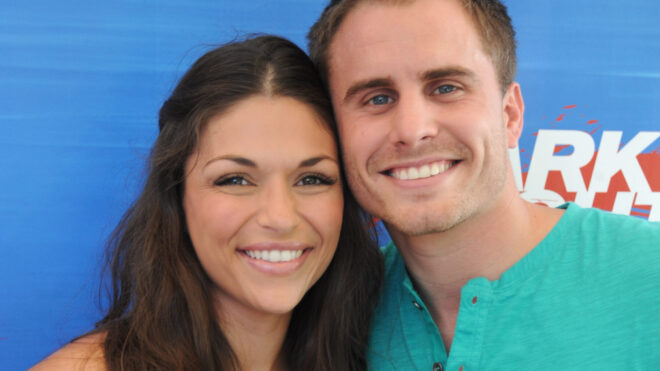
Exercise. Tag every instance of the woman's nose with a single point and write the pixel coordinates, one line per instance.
(278, 209)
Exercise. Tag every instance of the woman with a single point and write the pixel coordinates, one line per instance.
(245, 250)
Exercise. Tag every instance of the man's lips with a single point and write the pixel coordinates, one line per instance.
(421, 171)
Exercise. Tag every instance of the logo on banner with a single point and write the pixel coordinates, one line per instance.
(568, 165)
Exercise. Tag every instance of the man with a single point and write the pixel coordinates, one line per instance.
(477, 278)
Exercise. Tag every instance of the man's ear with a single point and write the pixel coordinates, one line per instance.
(514, 107)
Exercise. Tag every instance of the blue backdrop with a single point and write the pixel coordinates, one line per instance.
(81, 83)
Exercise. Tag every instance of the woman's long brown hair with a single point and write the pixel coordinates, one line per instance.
(161, 314)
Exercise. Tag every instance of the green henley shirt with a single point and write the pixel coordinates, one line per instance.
(586, 298)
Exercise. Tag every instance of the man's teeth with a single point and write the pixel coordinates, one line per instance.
(274, 256)
(424, 171)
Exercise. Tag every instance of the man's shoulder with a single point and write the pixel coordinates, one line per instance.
(395, 275)
(390, 256)
(611, 227)
(387, 342)
(627, 245)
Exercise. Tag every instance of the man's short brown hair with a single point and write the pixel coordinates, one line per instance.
(490, 17)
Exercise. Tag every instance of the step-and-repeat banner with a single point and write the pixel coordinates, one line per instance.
(81, 84)
(590, 75)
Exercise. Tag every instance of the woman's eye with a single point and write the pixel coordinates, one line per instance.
(380, 99)
(444, 89)
(234, 180)
(316, 179)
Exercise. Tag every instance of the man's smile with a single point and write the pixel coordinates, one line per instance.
(422, 171)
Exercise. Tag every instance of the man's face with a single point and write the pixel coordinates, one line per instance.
(423, 123)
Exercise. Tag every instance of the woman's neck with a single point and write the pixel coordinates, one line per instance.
(255, 337)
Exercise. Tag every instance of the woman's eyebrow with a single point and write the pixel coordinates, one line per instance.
(315, 160)
(247, 162)
(237, 159)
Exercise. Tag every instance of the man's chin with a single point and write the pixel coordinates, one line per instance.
(419, 225)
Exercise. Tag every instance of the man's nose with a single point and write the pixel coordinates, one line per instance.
(278, 208)
(413, 122)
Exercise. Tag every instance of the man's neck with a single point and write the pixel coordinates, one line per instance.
(486, 246)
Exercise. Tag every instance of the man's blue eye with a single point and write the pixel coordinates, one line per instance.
(444, 89)
(380, 100)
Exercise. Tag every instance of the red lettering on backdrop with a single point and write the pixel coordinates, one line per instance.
(649, 163)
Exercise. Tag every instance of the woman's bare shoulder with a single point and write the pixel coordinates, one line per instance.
(85, 354)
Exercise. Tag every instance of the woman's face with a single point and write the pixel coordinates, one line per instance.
(263, 203)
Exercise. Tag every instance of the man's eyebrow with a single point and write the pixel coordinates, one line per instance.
(451, 71)
(237, 159)
(366, 84)
(315, 160)
(437, 73)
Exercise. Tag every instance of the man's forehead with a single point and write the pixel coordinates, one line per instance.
(359, 11)
(373, 34)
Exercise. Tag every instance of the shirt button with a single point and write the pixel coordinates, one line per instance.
(437, 366)
(417, 305)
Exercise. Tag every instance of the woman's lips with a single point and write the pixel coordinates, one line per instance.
(276, 258)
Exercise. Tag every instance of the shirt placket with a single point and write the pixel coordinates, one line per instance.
(423, 340)
(476, 299)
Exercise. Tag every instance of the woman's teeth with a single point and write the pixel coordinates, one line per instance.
(424, 171)
(274, 256)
